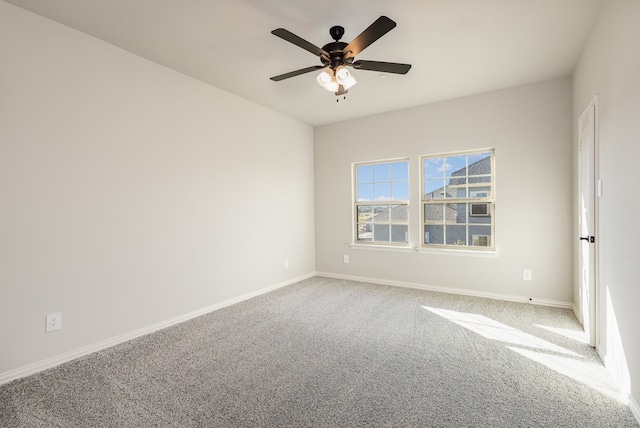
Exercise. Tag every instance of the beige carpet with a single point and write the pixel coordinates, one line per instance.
(335, 353)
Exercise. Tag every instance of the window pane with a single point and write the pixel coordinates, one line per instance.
(365, 192)
(399, 233)
(433, 213)
(456, 166)
(400, 191)
(456, 235)
(477, 216)
(381, 172)
(479, 191)
(377, 209)
(400, 171)
(365, 212)
(450, 213)
(434, 189)
(480, 230)
(399, 214)
(381, 213)
(480, 236)
(433, 168)
(381, 192)
(480, 179)
(364, 232)
(480, 164)
(461, 191)
(456, 213)
(365, 174)
(434, 234)
(381, 232)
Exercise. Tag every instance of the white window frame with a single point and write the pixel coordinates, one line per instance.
(356, 222)
(475, 199)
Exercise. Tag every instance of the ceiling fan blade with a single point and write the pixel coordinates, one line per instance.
(296, 73)
(379, 28)
(299, 41)
(385, 67)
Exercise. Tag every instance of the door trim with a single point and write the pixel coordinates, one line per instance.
(594, 303)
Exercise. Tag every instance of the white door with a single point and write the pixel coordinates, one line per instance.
(587, 197)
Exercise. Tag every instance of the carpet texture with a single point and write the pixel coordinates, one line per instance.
(335, 353)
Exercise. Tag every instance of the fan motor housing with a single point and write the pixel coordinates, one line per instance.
(336, 53)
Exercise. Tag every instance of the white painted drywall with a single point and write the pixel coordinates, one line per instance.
(131, 194)
(530, 129)
(610, 68)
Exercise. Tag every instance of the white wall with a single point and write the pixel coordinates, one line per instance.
(131, 194)
(610, 68)
(530, 129)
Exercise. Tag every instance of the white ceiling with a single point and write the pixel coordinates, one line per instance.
(456, 47)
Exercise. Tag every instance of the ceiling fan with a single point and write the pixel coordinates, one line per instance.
(336, 56)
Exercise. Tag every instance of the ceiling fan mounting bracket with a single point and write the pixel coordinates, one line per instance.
(336, 32)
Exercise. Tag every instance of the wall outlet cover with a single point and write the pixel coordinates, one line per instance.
(54, 321)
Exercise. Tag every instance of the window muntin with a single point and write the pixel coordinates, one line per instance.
(458, 200)
(382, 202)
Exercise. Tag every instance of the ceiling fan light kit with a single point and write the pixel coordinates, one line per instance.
(336, 56)
(333, 80)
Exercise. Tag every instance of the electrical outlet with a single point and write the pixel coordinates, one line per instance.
(54, 321)
(345, 258)
(286, 263)
(527, 275)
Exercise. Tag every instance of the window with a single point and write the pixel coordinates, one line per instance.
(382, 202)
(458, 200)
(479, 209)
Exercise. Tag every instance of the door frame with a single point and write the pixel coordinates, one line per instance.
(593, 311)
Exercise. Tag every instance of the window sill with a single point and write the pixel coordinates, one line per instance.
(464, 253)
(381, 248)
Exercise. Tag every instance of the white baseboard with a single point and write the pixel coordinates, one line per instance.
(461, 291)
(48, 363)
(577, 313)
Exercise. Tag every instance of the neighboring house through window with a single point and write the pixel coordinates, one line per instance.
(382, 202)
(458, 200)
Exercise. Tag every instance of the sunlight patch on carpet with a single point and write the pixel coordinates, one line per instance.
(494, 330)
(552, 356)
(577, 335)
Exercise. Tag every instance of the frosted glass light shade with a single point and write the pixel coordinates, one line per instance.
(325, 77)
(345, 78)
(332, 86)
(342, 73)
